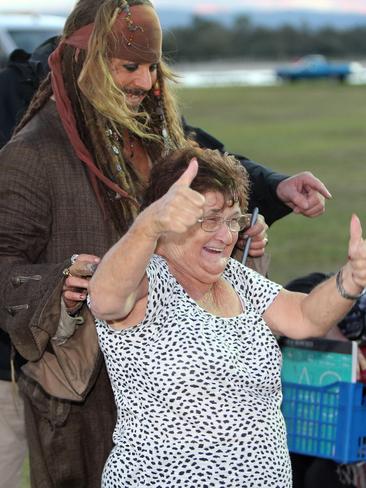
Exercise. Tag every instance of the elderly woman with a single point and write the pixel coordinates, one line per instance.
(188, 335)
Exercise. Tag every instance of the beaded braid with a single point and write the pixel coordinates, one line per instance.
(164, 115)
(95, 136)
(169, 106)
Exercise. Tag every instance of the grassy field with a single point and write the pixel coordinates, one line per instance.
(291, 128)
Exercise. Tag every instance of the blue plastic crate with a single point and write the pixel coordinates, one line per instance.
(327, 421)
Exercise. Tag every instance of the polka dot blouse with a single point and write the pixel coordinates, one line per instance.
(198, 396)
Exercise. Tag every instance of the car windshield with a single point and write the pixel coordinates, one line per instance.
(32, 38)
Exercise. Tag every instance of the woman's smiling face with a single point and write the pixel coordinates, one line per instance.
(202, 255)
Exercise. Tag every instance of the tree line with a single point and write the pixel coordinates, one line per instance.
(206, 39)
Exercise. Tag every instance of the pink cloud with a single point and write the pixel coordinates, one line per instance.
(352, 5)
(208, 8)
(214, 6)
(332, 5)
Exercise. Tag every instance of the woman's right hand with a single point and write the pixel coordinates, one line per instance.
(179, 209)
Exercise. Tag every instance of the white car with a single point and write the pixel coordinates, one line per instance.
(26, 31)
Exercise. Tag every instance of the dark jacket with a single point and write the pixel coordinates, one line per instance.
(18, 82)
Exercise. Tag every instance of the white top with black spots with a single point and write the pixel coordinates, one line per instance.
(198, 396)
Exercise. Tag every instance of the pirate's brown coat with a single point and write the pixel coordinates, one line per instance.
(48, 212)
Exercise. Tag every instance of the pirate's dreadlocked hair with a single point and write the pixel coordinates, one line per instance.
(100, 107)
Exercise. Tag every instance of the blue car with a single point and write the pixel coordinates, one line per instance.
(314, 66)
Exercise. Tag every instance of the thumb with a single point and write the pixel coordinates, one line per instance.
(83, 268)
(355, 232)
(189, 175)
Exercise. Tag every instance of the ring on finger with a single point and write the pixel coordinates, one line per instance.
(66, 272)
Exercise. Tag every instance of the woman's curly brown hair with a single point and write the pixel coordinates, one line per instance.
(217, 172)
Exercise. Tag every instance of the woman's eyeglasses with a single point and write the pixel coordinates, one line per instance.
(235, 224)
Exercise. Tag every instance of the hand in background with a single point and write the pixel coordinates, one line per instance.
(258, 233)
(304, 193)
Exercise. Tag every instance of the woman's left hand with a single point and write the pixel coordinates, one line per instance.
(258, 233)
(354, 272)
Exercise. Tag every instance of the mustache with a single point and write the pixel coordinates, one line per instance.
(138, 92)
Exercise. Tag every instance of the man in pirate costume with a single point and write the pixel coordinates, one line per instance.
(70, 182)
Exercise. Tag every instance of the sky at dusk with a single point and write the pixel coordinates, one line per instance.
(204, 6)
(219, 5)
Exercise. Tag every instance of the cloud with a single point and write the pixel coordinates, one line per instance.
(220, 5)
(208, 8)
(201, 6)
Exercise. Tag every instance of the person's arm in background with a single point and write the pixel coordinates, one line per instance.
(275, 194)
